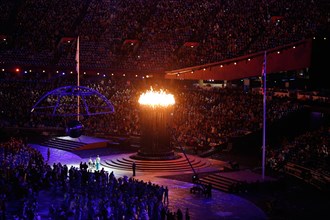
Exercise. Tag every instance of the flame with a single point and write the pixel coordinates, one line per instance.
(156, 98)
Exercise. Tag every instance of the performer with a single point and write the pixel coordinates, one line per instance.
(166, 196)
(209, 190)
(97, 162)
(48, 155)
(90, 164)
(133, 168)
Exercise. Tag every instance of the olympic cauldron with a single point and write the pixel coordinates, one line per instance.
(155, 114)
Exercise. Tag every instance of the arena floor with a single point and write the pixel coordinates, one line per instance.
(221, 206)
(297, 201)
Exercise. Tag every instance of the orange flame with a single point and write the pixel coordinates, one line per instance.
(156, 98)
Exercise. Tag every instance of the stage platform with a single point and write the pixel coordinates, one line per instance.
(83, 142)
(88, 142)
(84, 139)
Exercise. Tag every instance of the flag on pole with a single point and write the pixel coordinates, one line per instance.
(263, 73)
(77, 56)
(263, 78)
(78, 78)
(264, 65)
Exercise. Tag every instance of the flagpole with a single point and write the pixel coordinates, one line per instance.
(78, 79)
(264, 71)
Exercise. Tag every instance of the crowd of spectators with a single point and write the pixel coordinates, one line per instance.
(87, 194)
(22, 169)
(201, 117)
(221, 30)
(217, 115)
(311, 150)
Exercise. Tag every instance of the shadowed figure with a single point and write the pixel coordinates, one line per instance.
(133, 168)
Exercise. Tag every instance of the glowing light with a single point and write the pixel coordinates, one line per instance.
(156, 98)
